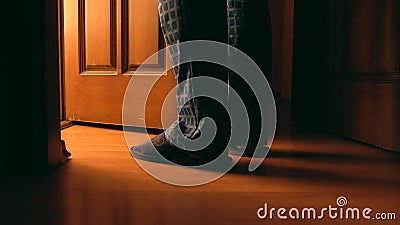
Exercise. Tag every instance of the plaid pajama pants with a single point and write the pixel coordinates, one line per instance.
(217, 20)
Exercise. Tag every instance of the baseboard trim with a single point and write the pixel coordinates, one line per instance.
(119, 127)
(65, 124)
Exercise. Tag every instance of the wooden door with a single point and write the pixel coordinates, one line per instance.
(104, 42)
(346, 68)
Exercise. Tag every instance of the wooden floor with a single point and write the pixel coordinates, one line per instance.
(102, 185)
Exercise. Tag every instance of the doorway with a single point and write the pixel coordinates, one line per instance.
(102, 45)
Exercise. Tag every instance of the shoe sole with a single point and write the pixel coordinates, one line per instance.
(159, 159)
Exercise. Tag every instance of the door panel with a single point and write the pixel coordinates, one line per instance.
(105, 41)
(346, 76)
(99, 21)
(144, 38)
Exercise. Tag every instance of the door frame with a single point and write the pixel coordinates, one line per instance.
(34, 41)
(61, 58)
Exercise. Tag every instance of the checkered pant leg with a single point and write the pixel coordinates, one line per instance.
(171, 24)
(235, 23)
(170, 15)
(235, 20)
(235, 12)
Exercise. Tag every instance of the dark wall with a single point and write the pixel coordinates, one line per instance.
(30, 139)
(346, 77)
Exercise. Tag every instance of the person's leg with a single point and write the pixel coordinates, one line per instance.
(186, 20)
(200, 20)
(250, 31)
(171, 20)
(206, 20)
